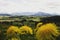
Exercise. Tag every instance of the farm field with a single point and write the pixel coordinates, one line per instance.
(29, 28)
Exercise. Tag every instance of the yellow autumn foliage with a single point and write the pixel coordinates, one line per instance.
(25, 30)
(13, 33)
(12, 29)
(47, 32)
(38, 25)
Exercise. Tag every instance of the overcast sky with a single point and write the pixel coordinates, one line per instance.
(11, 6)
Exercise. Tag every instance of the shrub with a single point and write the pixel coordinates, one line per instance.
(25, 30)
(12, 29)
(13, 33)
(38, 25)
(47, 32)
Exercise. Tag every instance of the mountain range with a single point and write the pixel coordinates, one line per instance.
(43, 14)
(27, 14)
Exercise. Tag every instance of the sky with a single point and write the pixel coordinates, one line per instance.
(12, 6)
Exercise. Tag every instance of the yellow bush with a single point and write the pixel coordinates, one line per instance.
(25, 29)
(38, 25)
(47, 31)
(12, 29)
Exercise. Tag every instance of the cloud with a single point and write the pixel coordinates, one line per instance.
(10, 6)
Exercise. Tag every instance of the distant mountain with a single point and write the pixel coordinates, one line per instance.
(32, 14)
(22, 13)
(5, 15)
(43, 14)
(27, 14)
